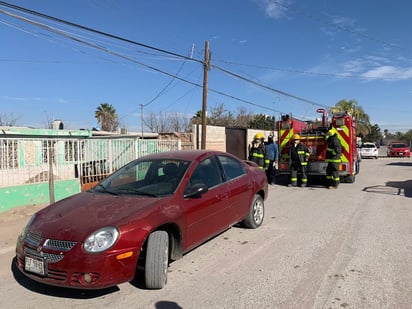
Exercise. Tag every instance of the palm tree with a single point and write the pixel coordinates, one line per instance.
(106, 116)
(352, 107)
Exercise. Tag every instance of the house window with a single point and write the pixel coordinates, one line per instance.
(8, 154)
(48, 154)
(71, 151)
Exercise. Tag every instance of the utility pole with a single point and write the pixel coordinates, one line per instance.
(141, 117)
(206, 68)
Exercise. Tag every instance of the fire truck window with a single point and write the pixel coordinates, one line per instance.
(340, 122)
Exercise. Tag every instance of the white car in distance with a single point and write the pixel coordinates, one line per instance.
(369, 150)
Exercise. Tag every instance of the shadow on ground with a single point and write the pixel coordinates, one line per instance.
(392, 188)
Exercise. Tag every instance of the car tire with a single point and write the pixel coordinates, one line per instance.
(157, 259)
(256, 213)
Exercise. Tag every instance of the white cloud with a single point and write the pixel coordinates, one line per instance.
(274, 9)
(376, 68)
(388, 72)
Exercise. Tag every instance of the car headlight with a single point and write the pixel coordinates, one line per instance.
(26, 228)
(101, 240)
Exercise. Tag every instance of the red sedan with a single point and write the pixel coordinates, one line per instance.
(145, 215)
(398, 150)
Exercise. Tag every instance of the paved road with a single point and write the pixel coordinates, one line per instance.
(318, 248)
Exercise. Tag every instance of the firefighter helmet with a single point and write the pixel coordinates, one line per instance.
(331, 132)
(259, 136)
(296, 136)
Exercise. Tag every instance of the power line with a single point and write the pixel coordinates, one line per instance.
(268, 87)
(295, 71)
(31, 12)
(106, 50)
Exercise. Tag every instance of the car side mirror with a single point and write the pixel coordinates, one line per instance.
(196, 191)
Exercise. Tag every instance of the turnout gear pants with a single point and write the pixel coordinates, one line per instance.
(332, 174)
(298, 170)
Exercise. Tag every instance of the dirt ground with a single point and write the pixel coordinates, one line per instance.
(11, 224)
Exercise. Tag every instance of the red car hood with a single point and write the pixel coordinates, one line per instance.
(76, 217)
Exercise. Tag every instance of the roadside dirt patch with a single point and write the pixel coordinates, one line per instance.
(12, 223)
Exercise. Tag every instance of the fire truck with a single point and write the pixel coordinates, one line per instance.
(313, 135)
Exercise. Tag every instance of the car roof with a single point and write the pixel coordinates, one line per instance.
(188, 155)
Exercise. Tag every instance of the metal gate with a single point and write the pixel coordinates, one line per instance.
(236, 142)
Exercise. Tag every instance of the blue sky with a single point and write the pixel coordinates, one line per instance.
(307, 54)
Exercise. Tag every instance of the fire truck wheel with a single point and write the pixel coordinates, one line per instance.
(256, 213)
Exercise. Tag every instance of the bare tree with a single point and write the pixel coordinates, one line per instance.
(179, 122)
(243, 118)
(8, 120)
(219, 116)
(48, 121)
(157, 122)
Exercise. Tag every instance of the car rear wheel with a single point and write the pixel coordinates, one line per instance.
(157, 257)
(256, 213)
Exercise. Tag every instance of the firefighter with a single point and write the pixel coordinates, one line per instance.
(333, 158)
(271, 159)
(257, 151)
(299, 156)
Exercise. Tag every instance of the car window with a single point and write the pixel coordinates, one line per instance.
(156, 177)
(231, 167)
(207, 172)
(398, 145)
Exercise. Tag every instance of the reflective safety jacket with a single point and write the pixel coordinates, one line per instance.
(299, 154)
(334, 150)
(257, 154)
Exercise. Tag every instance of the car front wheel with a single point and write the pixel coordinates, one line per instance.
(256, 213)
(157, 258)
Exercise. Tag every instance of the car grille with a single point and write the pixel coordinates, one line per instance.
(50, 257)
(33, 239)
(34, 246)
(52, 244)
(37, 243)
(61, 245)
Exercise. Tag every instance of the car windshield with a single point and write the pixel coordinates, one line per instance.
(154, 178)
(368, 146)
(399, 146)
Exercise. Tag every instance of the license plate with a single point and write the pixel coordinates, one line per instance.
(35, 265)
